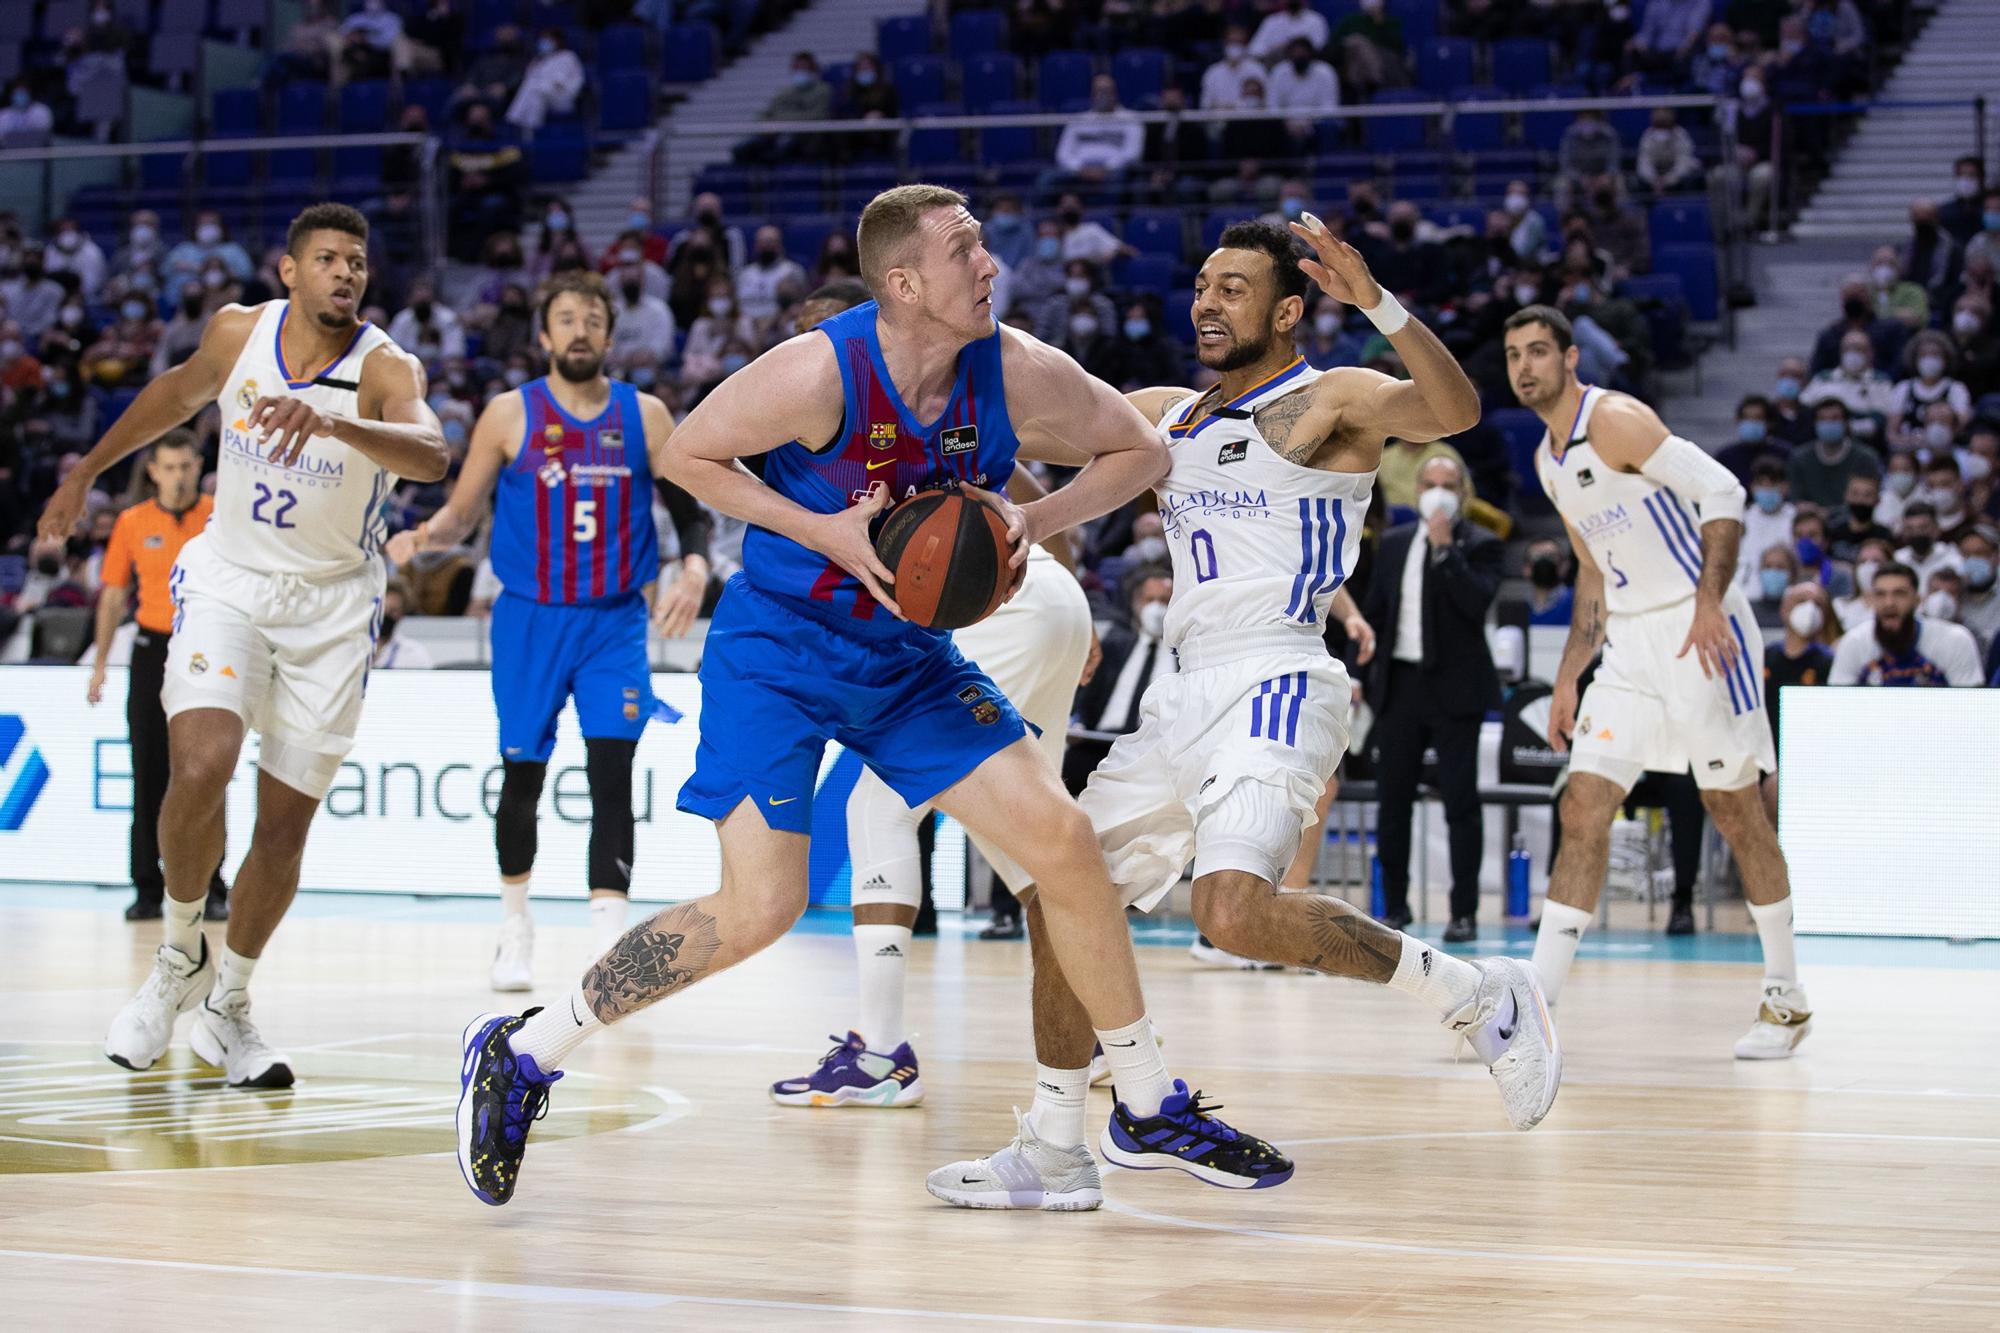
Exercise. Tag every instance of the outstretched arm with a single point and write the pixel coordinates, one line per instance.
(497, 426)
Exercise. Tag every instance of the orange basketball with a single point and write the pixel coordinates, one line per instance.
(948, 554)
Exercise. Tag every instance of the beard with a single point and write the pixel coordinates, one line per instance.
(1238, 354)
(335, 321)
(579, 367)
(1899, 639)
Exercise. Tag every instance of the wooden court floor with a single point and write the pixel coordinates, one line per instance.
(1857, 1187)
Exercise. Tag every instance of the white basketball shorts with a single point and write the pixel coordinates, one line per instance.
(1650, 708)
(1277, 722)
(288, 655)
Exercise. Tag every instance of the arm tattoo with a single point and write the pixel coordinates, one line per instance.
(651, 962)
(1348, 944)
(1720, 540)
(1276, 420)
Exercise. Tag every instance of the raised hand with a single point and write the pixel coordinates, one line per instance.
(1337, 267)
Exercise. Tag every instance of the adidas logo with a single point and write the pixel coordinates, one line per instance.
(1571, 931)
(888, 951)
(1427, 962)
(876, 882)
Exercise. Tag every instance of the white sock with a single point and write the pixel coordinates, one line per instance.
(882, 955)
(1555, 944)
(232, 973)
(1435, 977)
(514, 898)
(1138, 1070)
(556, 1031)
(183, 924)
(1774, 928)
(1058, 1113)
(607, 921)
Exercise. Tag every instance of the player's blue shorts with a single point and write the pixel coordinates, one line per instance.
(779, 680)
(544, 654)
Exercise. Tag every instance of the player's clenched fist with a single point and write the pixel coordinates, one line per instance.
(290, 422)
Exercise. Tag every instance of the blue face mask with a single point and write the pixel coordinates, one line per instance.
(1768, 498)
(1773, 582)
(1294, 207)
(1138, 329)
(642, 377)
(804, 78)
(1810, 553)
(1719, 51)
(1990, 221)
(733, 363)
(1788, 386)
(1752, 431)
(558, 221)
(1978, 572)
(864, 78)
(1008, 223)
(1829, 432)
(1049, 247)
(454, 433)
(638, 222)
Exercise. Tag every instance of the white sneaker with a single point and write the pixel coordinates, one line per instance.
(1507, 1021)
(1100, 1068)
(1783, 1020)
(144, 1028)
(1206, 952)
(514, 957)
(1027, 1173)
(224, 1036)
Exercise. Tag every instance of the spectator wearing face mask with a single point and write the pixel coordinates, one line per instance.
(1141, 354)
(1767, 519)
(511, 328)
(1777, 569)
(1432, 682)
(181, 335)
(427, 328)
(1930, 257)
(1790, 420)
(1753, 442)
(1101, 146)
(1055, 320)
(1550, 597)
(123, 352)
(1899, 647)
(550, 86)
(1040, 274)
(1666, 157)
(1133, 656)
(70, 250)
(1857, 315)
(1975, 349)
(720, 324)
(210, 240)
(1853, 380)
(1960, 214)
(1912, 400)
(1979, 599)
(1326, 343)
(1302, 82)
(1944, 488)
(1222, 82)
(26, 293)
(642, 335)
(1803, 657)
(1086, 238)
(1923, 551)
(1899, 487)
(1896, 297)
(769, 268)
(1855, 608)
(1857, 521)
(25, 122)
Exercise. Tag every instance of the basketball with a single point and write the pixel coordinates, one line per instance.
(948, 554)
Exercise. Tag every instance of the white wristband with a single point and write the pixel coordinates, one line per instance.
(1388, 316)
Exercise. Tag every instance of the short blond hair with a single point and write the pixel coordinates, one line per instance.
(890, 221)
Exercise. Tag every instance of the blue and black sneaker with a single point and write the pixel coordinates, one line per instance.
(501, 1095)
(1186, 1135)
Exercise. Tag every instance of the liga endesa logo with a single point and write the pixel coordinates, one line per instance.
(20, 783)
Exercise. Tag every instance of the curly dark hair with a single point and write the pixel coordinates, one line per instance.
(325, 217)
(1268, 238)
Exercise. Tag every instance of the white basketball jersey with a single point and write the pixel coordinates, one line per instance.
(1257, 541)
(1645, 539)
(322, 514)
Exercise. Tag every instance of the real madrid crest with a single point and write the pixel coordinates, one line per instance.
(246, 397)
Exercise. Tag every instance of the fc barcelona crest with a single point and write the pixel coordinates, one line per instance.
(552, 436)
(881, 435)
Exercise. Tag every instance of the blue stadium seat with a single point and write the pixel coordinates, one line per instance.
(236, 111)
(1420, 20)
(625, 100)
(796, 187)
(1445, 62)
(1149, 273)
(1155, 231)
(17, 23)
(1523, 431)
(1063, 77)
(1140, 74)
(222, 170)
(1392, 134)
(291, 166)
(59, 16)
(690, 53)
(919, 79)
(1544, 129)
(621, 46)
(169, 55)
(930, 148)
(1336, 10)
(1213, 225)
(1681, 222)
(1520, 63)
(487, 15)
(364, 107)
(357, 167)
(1459, 215)
(730, 183)
(1663, 301)
(433, 95)
(1630, 122)
(1694, 265)
(1007, 145)
(559, 152)
(805, 234)
(898, 38)
(301, 108)
(976, 32)
(989, 79)
(1478, 133)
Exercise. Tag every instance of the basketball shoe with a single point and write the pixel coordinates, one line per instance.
(1028, 1173)
(1187, 1136)
(1507, 1022)
(224, 1036)
(514, 956)
(1783, 1020)
(852, 1075)
(1207, 951)
(144, 1028)
(501, 1096)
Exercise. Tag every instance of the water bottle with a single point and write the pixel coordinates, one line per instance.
(1517, 878)
(1377, 905)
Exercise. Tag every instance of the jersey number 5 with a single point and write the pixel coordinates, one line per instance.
(277, 519)
(583, 521)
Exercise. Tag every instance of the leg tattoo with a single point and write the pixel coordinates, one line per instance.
(652, 961)
(1349, 944)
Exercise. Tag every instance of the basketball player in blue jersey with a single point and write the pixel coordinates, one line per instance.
(1272, 473)
(576, 456)
(914, 389)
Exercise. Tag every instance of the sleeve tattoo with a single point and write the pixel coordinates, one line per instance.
(652, 961)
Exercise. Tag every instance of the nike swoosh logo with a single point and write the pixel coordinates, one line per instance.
(970, 1180)
(775, 801)
(1507, 1033)
(1121, 1043)
(887, 462)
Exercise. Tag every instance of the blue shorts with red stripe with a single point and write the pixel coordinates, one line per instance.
(780, 678)
(543, 654)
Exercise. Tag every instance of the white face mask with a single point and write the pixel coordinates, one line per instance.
(1152, 619)
(1082, 326)
(1930, 367)
(1148, 549)
(1965, 323)
(1525, 293)
(208, 233)
(1885, 274)
(1937, 435)
(1854, 362)
(1517, 204)
(1077, 287)
(1864, 575)
(1805, 619)
(1941, 605)
(1234, 52)
(718, 306)
(1438, 500)
(1326, 325)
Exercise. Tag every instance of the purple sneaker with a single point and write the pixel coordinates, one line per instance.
(1186, 1135)
(852, 1075)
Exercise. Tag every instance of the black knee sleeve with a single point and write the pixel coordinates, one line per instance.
(609, 763)
(514, 821)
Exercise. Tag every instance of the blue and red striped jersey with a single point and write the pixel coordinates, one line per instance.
(971, 441)
(573, 519)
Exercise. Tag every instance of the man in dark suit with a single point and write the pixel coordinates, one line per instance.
(1431, 683)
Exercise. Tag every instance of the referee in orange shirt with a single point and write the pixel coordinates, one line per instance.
(144, 545)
